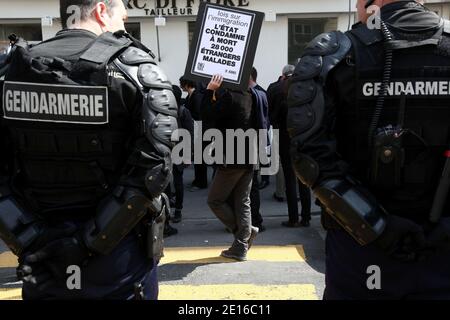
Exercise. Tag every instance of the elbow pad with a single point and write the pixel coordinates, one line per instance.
(355, 210)
(159, 112)
(17, 227)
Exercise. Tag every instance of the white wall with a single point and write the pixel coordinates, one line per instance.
(50, 32)
(272, 53)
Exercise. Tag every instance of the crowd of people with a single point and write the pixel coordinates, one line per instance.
(234, 193)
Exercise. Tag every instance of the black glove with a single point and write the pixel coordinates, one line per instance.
(48, 263)
(60, 254)
(438, 239)
(402, 239)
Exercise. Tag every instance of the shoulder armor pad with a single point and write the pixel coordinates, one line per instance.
(146, 75)
(302, 92)
(152, 76)
(366, 35)
(309, 67)
(163, 101)
(324, 44)
(306, 97)
(134, 56)
(321, 55)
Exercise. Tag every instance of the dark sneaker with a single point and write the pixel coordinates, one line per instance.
(304, 223)
(234, 255)
(176, 217)
(260, 227)
(289, 224)
(264, 184)
(253, 235)
(169, 231)
(277, 198)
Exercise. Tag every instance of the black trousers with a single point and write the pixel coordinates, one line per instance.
(291, 182)
(255, 201)
(179, 187)
(350, 267)
(201, 176)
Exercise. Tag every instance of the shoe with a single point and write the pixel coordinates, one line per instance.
(196, 188)
(279, 199)
(176, 217)
(289, 224)
(169, 231)
(233, 255)
(193, 189)
(253, 235)
(304, 223)
(260, 227)
(263, 185)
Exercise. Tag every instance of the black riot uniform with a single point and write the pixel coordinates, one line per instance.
(87, 127)
(369, 118)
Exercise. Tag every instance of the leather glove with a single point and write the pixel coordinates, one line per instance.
(60, 254)
(46, 262)
(402, 239)
(438, 239)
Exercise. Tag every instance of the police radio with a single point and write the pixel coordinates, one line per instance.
(388, 154)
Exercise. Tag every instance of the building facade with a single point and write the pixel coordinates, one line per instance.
(289, 25)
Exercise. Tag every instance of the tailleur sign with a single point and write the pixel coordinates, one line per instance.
(224, 43)
(177, 7)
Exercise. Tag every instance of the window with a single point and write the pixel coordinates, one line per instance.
(134, 28)
(29, 31)
(302, 31)
(191, 30)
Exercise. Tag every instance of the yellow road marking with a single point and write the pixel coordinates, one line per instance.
(10, 294)
(206, 255)
(8, 260)
(217, 292)
(238, 292)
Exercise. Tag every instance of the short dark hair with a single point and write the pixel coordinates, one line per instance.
(85, 8)
(177, 93)
(187, 83)
(254, 74)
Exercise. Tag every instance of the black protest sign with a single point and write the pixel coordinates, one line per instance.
(224, 43)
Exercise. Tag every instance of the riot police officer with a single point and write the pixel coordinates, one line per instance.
(88, 118)
(369, 120)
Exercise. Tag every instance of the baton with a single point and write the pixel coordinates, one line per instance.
(441, 195)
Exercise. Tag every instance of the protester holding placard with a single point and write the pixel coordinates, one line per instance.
(229, 195)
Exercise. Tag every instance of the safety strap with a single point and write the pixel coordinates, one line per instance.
(105, 47)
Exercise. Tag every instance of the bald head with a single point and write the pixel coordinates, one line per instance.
(361, 7)
(97, 16)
